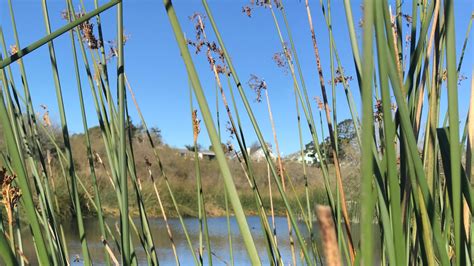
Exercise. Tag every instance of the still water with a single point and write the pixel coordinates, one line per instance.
(217, 234)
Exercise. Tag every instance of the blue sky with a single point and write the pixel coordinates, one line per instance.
(158, 77)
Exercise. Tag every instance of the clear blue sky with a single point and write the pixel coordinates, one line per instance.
(157, 74)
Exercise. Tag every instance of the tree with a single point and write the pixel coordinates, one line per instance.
(346, 130)
(345, 134)
(191, 147)
(155, 133)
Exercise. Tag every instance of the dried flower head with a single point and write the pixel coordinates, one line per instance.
(461, 77)
(257, 85)
(247, 10)
(196, 127)
(113, 49)
(408, 19)
(199, 25)
(13, 49)
(230, 129)
(319, 102)
(213, 51)
(86, 28)
(230, 147)
(340, 78)
(279, 59)
(378, 113)
(46, 119)
(10, 193)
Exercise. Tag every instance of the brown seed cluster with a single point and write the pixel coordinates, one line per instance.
(13, 49)
(257, 85)
(200, 42)
(10, 193)
(280, 61)
(319, 102)
(230, 129)
(408, 19)
(46, 119)
(113, 50)
(196, 126)
(378, 113)
(86, 28)
(341, 78)
(247, 10)
(461, 77)
(260, 3)
(230, 147)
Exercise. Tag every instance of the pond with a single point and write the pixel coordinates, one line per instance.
(217, 234)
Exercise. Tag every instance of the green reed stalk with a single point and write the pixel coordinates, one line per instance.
(148, 243)
(398, 255)
(367, 137)
(26, 199)
(124, 224)
(195, 126)
(282, 176)
(226, 201)
(455, 151)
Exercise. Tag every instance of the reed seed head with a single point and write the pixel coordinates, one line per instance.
(10, 193)
(13, 49)
(257, 84)
(340, 78)
(196, 126)
(319, 102)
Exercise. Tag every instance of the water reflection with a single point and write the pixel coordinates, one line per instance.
(217, 234)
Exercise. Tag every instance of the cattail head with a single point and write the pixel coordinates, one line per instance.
(328, 234)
